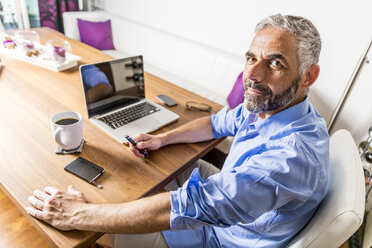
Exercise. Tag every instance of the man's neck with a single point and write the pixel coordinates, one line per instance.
(265, 115)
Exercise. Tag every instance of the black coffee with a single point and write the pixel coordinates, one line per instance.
(66, 121)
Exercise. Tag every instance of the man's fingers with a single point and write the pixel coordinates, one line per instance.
(51, 190)
(74, 191)
(138, 154)
(143, 145)
(35, 213)
(141, 137)
(71, 189)
(131, 147)
(148, 145)
(135, 151)
(40, 195)
(36, 202)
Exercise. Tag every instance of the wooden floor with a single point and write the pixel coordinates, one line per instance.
(15, 230)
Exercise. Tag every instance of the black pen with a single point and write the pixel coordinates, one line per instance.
(134, 143)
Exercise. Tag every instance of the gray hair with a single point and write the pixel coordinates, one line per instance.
(307, 36)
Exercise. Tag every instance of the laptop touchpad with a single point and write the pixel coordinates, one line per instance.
(148, 123)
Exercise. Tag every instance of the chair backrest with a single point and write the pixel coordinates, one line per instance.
(341, 212)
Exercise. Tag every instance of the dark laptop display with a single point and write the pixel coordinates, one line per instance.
(113, 84)
(115, 98)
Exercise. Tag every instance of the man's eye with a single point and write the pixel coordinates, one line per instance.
(250, 60)
(276, 64)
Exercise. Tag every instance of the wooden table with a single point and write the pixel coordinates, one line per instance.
(30, 95)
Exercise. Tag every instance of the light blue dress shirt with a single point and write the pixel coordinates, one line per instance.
(275, 176)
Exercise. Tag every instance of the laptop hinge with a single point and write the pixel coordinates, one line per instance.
(113, 107)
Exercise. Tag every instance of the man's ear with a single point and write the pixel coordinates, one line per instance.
(311, 75)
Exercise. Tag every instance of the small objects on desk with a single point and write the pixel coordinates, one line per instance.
(166, 100)
(10, 44)
(25, 45)
(57, 49)
(59, 54)
(32, 53)
(86, 170)
(28, 45)
(77, 150)
(191, 105)
(29, 36)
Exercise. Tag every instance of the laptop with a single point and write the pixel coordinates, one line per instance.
(115, 99)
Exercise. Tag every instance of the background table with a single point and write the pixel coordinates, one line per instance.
(30, 95)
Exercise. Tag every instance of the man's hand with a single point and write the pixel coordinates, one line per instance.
(58, 208)
(194, 131)
(147, 142)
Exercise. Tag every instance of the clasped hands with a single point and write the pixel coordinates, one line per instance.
(65, 210)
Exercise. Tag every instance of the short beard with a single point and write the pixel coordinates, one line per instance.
(268, 101)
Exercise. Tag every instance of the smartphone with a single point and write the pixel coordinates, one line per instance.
(167, 100)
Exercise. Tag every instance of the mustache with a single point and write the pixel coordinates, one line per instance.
(257, 86)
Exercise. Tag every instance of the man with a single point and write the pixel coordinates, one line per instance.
(272, 181)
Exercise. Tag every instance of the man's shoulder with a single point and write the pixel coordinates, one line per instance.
(307, 134)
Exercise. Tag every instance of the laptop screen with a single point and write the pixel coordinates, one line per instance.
(112, 84)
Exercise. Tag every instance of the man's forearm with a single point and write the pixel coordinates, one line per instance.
(195, 131)
(145, 215)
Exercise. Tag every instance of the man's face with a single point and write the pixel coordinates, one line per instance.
(271, 72)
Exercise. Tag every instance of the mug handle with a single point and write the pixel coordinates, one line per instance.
(57, 136)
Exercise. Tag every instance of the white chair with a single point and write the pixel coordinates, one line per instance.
(70, 21)
(341, 212)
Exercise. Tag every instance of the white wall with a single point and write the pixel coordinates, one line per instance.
(345, 28)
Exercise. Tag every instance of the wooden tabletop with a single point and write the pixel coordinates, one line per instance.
(30, 95)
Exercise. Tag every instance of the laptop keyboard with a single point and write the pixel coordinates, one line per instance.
(125, 116)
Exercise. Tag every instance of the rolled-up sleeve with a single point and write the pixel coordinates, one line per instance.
(226, 122)
(242, 194)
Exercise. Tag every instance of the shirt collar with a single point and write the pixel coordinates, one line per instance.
(277, 122)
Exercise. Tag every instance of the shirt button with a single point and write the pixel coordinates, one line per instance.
(221, 225)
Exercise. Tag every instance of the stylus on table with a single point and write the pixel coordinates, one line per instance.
(134, 144)
(96, 184)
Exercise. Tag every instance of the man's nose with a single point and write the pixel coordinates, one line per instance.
(255, 72)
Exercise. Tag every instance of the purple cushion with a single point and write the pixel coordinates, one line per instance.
(96, 34)
(236, 95)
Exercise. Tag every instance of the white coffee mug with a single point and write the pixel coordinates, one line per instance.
(67, 128)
